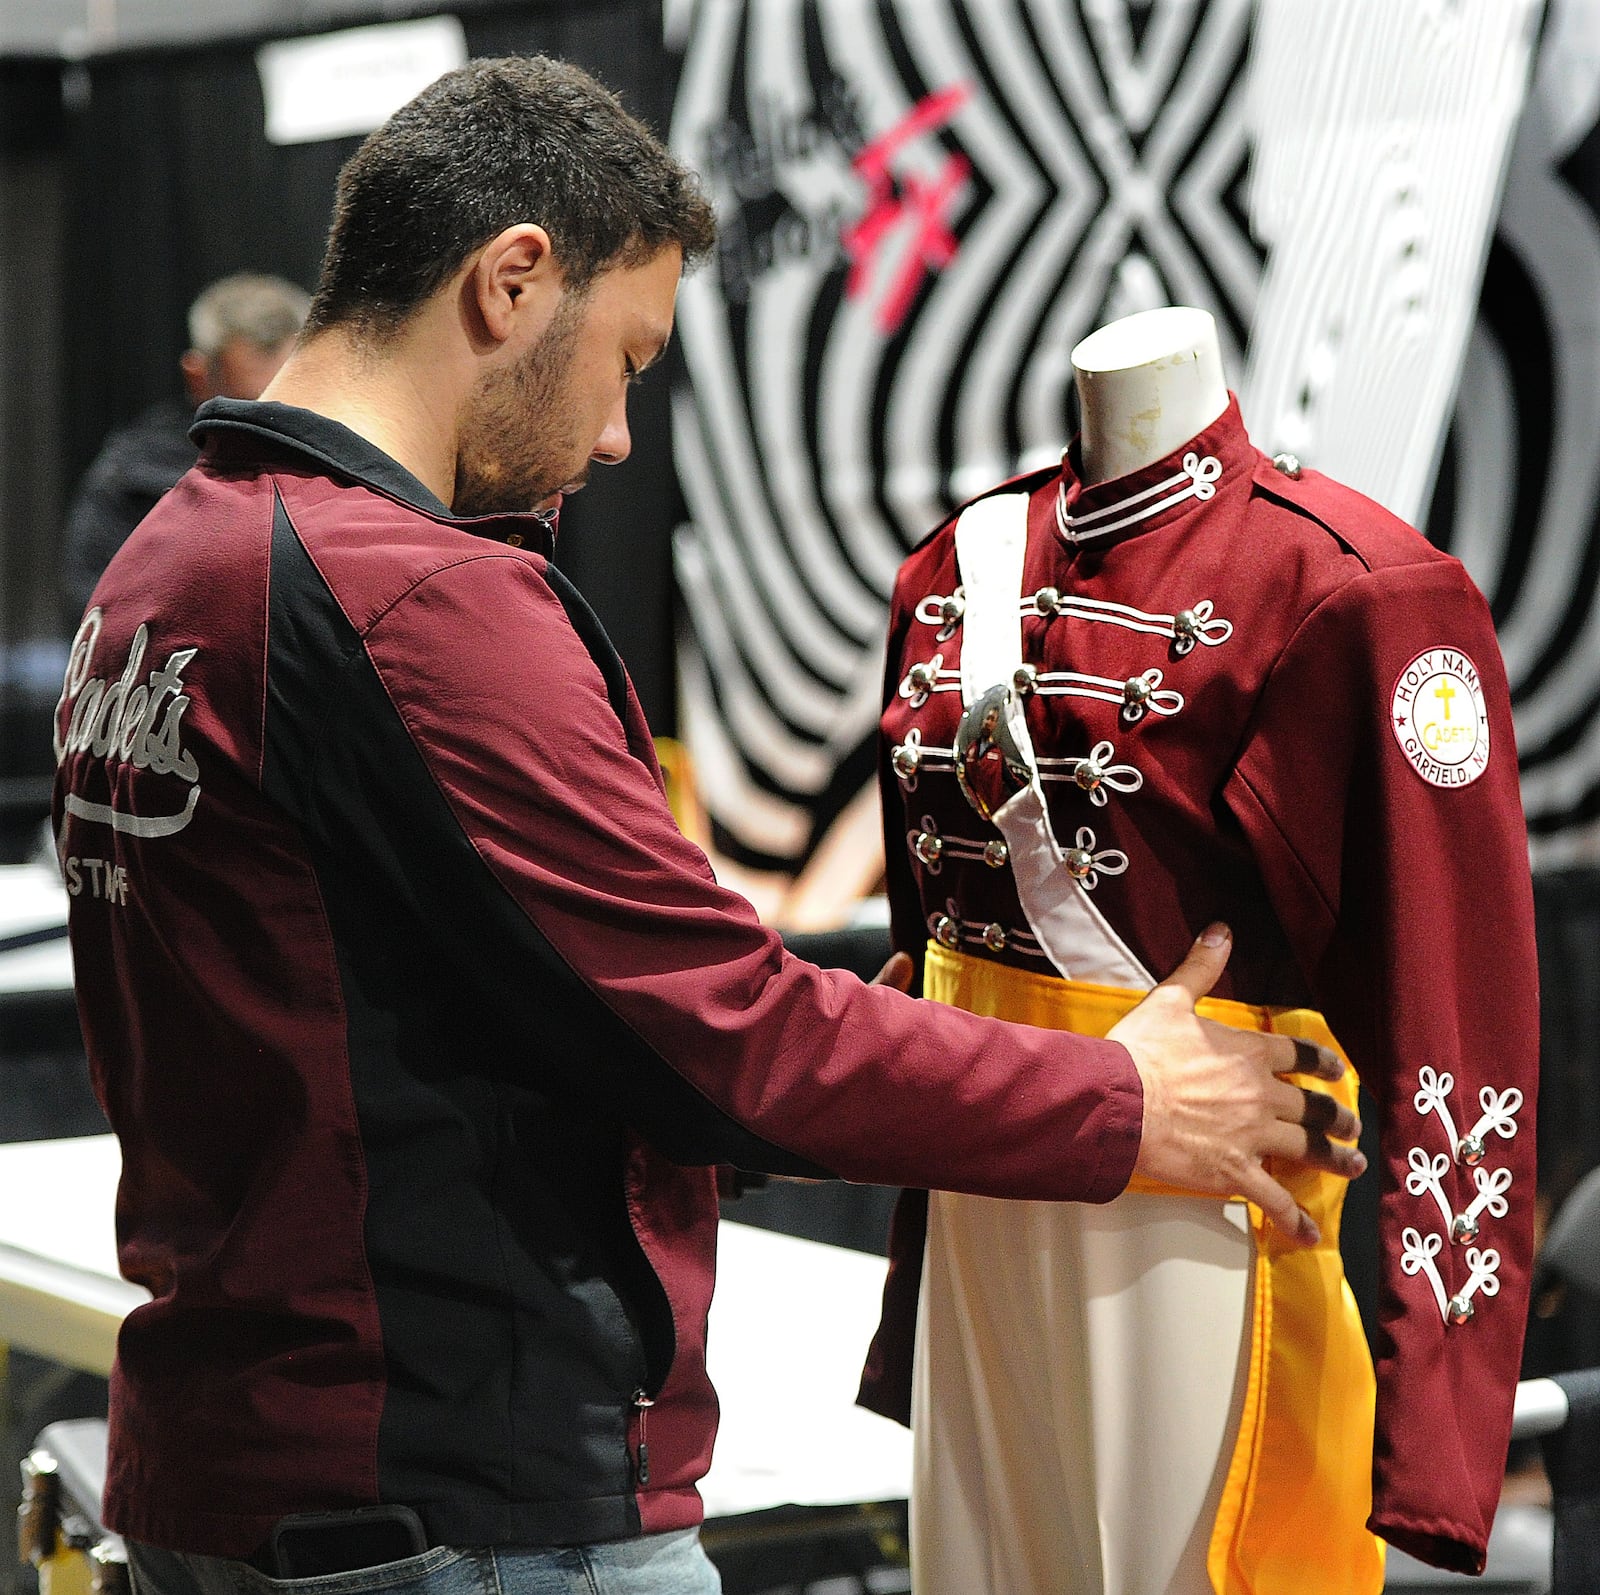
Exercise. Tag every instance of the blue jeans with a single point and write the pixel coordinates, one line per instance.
(654, 1564)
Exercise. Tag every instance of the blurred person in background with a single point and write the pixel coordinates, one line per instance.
(241, 329)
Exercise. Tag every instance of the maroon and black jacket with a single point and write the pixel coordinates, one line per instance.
(422, 1026)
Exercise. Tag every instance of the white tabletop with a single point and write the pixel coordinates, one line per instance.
(33, 903)
(790, 1325)
(789, 1328)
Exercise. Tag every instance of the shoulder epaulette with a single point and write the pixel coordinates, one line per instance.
(1376, 536)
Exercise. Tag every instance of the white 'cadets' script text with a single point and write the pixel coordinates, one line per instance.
(124, 720)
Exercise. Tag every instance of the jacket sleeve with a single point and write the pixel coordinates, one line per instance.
(715, 1042)
(1378, 789)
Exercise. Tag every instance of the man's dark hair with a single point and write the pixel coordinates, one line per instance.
(497, 142)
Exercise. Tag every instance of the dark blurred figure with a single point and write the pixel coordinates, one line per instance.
(240, 332)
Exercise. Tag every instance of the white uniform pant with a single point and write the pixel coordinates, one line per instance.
(1080, 1375)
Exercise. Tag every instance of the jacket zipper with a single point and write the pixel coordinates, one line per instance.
(642, 1404)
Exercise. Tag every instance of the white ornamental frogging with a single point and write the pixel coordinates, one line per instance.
(1098, 774)
(1198, 624)
(1426, 1178)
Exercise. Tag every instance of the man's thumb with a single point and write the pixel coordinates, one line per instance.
(1203, 967)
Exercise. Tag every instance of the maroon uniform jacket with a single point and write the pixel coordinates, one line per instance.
(422, 1026)
(1320, 754)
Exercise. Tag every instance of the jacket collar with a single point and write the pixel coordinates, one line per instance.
(1160, 494)
(224, 427)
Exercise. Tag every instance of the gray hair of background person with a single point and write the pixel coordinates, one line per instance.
(261, 309)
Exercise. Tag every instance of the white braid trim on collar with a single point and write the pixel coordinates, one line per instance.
(1198, 479)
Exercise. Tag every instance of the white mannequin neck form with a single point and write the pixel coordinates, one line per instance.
(1146, 384)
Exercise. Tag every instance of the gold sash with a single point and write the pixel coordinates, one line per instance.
(1299, 1486)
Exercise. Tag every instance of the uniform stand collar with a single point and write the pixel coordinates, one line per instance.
(1160, 494)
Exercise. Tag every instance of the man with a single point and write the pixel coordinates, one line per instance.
(240, 331)
(421, 1024)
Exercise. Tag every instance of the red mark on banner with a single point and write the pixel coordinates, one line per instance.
(931, 245)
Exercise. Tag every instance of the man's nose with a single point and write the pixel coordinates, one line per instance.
(614, 444)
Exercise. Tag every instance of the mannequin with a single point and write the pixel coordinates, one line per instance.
(1153, 1290)
(1175, 682)
(1146, 384)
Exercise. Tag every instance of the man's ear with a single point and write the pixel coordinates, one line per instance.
(197, 377)
(514, 282)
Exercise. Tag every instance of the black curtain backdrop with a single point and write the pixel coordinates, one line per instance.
(32, 198)
(172, 183)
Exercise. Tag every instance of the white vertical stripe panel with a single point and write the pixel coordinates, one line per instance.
(677, 18)
(1382, 133)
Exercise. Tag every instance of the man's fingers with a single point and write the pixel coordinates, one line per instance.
(897, 972)
(1203, 967)
(1217, 1102)
(1316, 1110)
(1323, 1116)
(1291, 1103)
(1298, 1144)
(1322, 1063)
(1291, 1220)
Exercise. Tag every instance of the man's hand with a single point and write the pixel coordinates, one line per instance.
(1213, 1105)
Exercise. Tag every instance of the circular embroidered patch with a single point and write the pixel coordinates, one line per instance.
(1439, 718)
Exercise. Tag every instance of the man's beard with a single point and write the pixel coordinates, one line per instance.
(515, 448)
